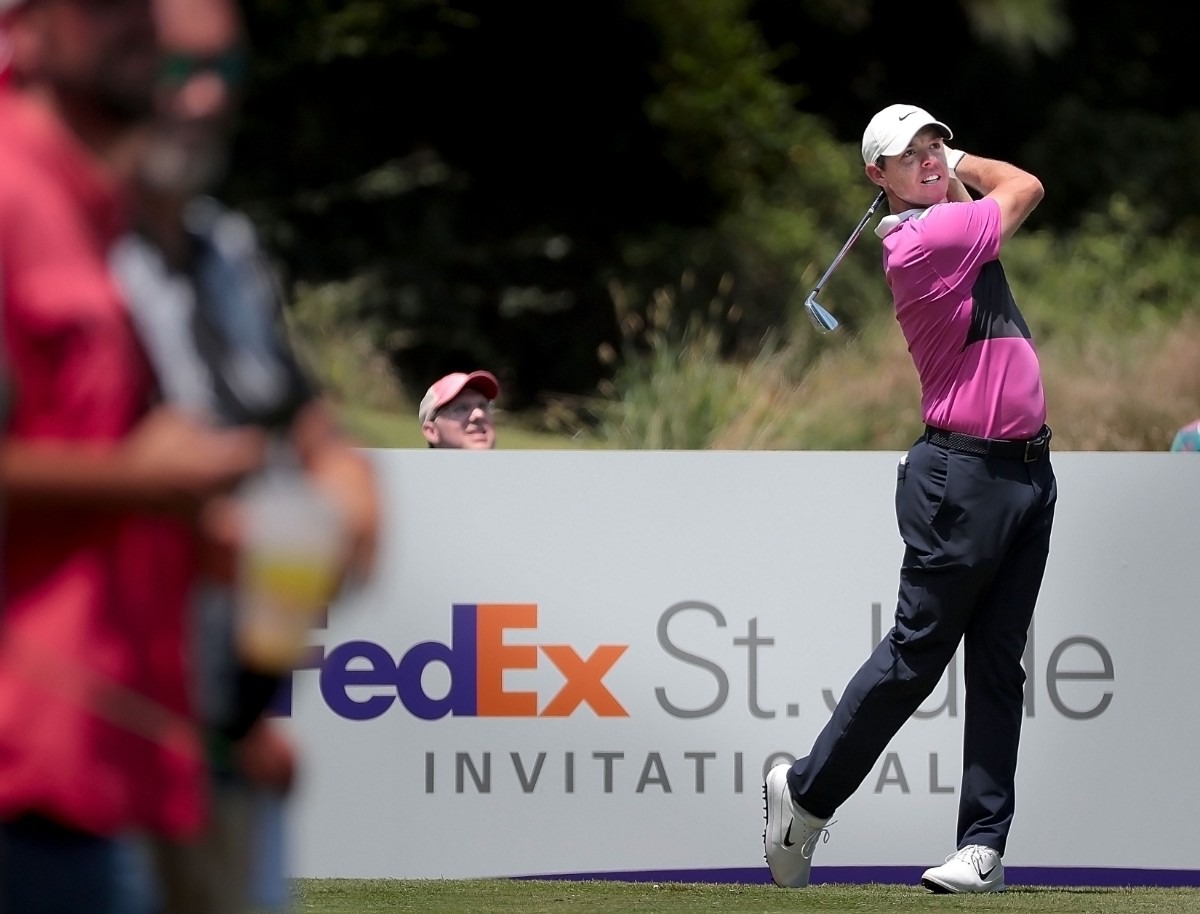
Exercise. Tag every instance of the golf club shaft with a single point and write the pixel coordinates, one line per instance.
(849, 242)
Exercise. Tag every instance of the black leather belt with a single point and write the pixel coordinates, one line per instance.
(1028, 450)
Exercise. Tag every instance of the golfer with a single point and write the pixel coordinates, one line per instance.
(975, 498)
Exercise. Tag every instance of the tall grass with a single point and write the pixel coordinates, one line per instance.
(1118, 347)
(682, 394)
(342, 349)
(1115, 314)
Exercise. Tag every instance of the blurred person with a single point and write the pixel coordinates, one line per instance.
(104, 493)
(456, 411)
(975, 500)
(1187, 438)
(209, 311)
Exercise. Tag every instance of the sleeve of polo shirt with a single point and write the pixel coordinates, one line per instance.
(959, 238)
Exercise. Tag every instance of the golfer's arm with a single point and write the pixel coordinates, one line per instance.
(958, 192)
(1017, 191)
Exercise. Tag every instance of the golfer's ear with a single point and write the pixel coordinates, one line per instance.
(430, 432)
(875, 174)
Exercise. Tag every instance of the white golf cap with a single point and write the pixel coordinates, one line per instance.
(892, 129)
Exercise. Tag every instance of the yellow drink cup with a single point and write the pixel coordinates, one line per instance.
(289, 568)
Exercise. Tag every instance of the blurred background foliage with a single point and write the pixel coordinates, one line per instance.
(619, 205)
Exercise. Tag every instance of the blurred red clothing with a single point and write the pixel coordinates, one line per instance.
(96, 727)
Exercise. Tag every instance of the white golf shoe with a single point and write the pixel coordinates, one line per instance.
(791, 834)
(975, 868)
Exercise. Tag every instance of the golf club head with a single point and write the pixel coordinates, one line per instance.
(822, 319)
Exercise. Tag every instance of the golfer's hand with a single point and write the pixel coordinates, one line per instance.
(953, 157)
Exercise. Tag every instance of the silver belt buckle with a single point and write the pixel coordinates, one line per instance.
(1034, 447)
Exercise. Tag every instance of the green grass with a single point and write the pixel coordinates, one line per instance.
(386, 428)
(501, 896)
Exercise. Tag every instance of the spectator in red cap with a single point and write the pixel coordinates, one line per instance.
(456, 411)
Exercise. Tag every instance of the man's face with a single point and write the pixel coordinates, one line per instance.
(200, 73)
(99, 54)
(465, 422)
(919, 175)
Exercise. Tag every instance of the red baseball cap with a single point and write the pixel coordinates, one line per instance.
(443, 390)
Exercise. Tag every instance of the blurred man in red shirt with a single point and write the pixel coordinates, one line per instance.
(103, 492)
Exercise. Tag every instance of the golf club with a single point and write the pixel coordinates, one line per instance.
(823, 320)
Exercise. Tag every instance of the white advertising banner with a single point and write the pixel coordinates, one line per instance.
(581, 664)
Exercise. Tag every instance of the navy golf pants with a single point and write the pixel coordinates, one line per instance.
(976, 532)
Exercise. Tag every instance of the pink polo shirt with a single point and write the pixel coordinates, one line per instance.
(972, 349)
(96, 726)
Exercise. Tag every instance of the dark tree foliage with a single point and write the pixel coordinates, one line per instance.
(1106, 113)
(490, 166)
(481, 164)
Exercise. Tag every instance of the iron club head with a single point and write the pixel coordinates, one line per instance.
(822, 319)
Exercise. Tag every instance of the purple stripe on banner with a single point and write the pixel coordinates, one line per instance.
(1014, 876)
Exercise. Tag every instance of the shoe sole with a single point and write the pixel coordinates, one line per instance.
(764, 841)
(766, 821)
(939, 888)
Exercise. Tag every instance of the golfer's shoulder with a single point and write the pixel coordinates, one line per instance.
(965, 211)
(949, 222)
